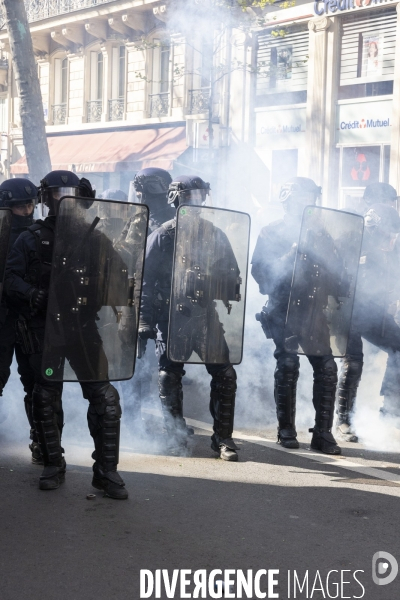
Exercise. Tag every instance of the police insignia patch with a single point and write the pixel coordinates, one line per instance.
(64, 178)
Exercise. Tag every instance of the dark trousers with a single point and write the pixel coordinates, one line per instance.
(223, 387)
(380, 329)
(7, 347)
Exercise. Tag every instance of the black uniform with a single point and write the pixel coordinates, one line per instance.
(378, 289)
(28, 271)
(155, 311)
(8, 317)
(272, 268)
(150, 187)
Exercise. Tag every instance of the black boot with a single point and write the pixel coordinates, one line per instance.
(325, 381)
(286, 377)
(34, 447)
(222, 409)
(171, 396)
(104, 417)
(48, 419)
(349, 380)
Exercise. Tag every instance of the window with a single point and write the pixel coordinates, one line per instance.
(60, 81)
(118, 73)
(360, 166)
(3, 115)
(282, 66)
(160, 71)
(96, 75)
(367, 54)
(94, 107)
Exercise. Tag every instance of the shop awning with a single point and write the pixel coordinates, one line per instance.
(114, 151)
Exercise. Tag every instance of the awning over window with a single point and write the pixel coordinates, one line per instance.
(114, 151)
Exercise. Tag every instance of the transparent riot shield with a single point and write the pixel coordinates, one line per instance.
(5, 230)
(324, 280)
(95, 289)
(208, 285)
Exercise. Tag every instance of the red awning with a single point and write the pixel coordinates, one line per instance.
(114, 151)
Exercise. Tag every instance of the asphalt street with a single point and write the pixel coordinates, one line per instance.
(295, 511)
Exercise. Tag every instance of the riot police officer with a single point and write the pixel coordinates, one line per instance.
(151, 188)
(272, 268)
(20, 195)
(378, 292)
(28, 279)
(154, 321)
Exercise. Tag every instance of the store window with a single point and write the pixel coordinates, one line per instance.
(360, 166)
(282, 67)
(368, 54)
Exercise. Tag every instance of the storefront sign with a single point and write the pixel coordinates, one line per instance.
(332, 6)
(364, 122)
(281, 125)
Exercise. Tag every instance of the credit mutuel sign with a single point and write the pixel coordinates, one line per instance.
(325, 7)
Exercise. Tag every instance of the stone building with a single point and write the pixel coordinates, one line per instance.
(312, 90)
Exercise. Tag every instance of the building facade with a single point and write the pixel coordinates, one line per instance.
(329, 108)
(120, 91)
(310, 90)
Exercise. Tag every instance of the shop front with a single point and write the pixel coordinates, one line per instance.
(280, 139)
(363, 134)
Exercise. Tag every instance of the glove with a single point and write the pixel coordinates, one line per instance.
(38, 299)
(146, 331)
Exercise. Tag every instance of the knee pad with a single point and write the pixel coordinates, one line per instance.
(169, 382)
(105, 401)
(44, 397)
(287, 366)
(325, 370)
(224, 380)
(351, 372)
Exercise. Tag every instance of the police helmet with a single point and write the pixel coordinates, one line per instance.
(380, 193)
(113, 194)
(151, 182)
(57, 184)
(188, 189)
(382, 217)
(16, 192)
(301, 189)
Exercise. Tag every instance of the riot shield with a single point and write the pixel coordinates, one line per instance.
(95, 288)
(324, 280)
(5, 230)
(208, 285)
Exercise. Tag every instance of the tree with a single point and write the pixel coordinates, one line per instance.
(28, 86)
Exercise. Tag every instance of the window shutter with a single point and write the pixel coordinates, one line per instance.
(271, 51)
(363, 28)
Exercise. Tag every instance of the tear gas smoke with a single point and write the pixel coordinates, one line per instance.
(243, 184)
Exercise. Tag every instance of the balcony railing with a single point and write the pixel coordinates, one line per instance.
(94, 109)
(37, 10)
(199, 100)
(159, 104)
(59, 114)
(116, 108)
